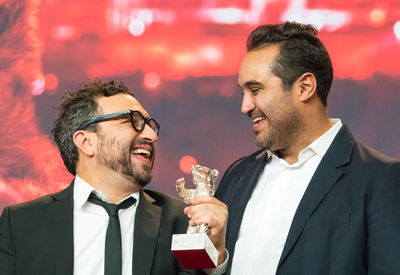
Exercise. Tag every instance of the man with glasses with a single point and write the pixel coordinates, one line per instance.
(104, 222)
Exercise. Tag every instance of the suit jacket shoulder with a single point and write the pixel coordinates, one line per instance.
(25, 208)
(369, 167)
(37, 233)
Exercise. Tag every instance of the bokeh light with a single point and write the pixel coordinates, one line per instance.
(136, 27)
(224, 15)
(396, 30)
(152, 81)
(211, 53)
(51, 81)
(64, 32)
(38, 86)
(378, 17)
(186, 162)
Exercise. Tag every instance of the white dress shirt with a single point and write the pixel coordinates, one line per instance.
(272, 205)
(90, 226)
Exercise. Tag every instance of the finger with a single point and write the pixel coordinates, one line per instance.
(202, 209)
(216, 218)
(207, 208)
(202, 219)
(186, 210)
(205, 199)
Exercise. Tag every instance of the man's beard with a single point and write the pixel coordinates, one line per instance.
(284, 126)
(117, 157)
(281, 135)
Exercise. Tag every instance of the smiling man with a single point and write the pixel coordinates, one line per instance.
(104, 222)
(313, 200)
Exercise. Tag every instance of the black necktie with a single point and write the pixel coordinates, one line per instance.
(113, 251)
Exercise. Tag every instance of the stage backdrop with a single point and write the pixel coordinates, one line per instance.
(181, 59)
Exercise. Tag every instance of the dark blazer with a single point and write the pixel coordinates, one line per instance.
(348, 221)
(36, 237)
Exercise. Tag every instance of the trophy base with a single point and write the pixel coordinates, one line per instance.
(194, 251)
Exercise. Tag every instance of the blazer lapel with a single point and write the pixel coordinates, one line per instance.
(324, 178)
(241, 193)
(59, 214)
(147, 224)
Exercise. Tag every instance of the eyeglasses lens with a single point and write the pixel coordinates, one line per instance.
(153, 125)
(138, 121)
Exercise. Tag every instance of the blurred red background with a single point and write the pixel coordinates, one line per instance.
(180, 58)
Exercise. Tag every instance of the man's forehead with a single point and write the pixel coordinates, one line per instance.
(265, 55)
(257, 64)
(118, 103)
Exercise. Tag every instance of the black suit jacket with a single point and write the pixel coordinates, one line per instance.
(36, 237)
(348, 221)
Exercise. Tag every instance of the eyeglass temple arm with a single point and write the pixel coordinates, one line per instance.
(101, 118)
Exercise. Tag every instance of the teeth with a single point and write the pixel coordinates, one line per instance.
(144, 152)
(257, 119)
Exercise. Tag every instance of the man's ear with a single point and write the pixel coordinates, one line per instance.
(307, 86)
(85, 142)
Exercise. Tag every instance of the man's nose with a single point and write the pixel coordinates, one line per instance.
(149, 134)
(247, 103)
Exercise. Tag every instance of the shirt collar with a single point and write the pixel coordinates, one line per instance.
(321, 144)
(82, 190)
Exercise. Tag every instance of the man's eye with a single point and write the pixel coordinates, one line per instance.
(254, 90)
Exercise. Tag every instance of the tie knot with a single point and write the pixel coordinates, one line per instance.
(112, 208)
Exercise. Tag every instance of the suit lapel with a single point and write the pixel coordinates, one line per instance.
(241, 195)
(59, 214)
(325, 177)
(147, 224)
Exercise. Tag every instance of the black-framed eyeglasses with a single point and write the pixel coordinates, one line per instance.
(138, 121)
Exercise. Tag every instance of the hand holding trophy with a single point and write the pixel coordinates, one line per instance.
(195, 250)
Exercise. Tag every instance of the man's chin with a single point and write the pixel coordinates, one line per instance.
(259, 140)
(143, 175)
(262, 142)
(143, 182)
(139, 179)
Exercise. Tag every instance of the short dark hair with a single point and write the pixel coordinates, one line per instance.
(78, 106)
(300, 51)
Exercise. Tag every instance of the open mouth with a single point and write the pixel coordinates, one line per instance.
(258, 119)
(143, 152)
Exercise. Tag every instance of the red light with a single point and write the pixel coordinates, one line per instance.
(211, 54)
(378, 17)
(152, 80)
(186, 163)
(51, 81)
(64, 32)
